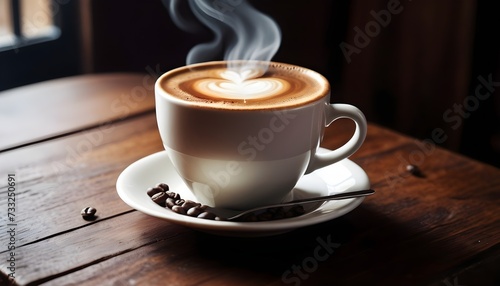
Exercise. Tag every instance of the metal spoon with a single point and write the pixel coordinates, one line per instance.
(340, 196)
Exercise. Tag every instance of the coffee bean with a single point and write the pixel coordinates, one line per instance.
(207, 215)
(170, 202)
(415, 171)
(265, 216)
(279, 213)
(194, 211)
(248, 218)
(179, 210)
(88, 213)
(297, 210)
(204, 207)
(160, 198)
(276, 210)
(163, 186)
(189, 204)
(153, 191)
(173, 195)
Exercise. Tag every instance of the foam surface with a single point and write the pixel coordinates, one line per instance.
(213, 85)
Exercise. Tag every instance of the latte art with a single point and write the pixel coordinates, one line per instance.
(241, 75)
(212, 85)
(257, 88)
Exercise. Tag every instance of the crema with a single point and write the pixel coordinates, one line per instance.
(271, 86)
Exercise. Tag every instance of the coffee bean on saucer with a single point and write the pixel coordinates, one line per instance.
(190, 204)
(204, 207)
(274, 210)
(173, 195)
(297, 210)
(265, 216)
(88, 213)
(251, 217)
(207, 215)
(166, 198)
(170, 202)
(163, 186)
(278, 213)
(179, 210)
(194, 211)
(160, 198)
(153, 191)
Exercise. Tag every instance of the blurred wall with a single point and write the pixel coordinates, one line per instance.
(428, 69)
(413, 66)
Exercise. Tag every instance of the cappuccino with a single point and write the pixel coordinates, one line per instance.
(243, 136)
(213, 85)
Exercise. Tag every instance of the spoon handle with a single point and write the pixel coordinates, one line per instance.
(340, 196)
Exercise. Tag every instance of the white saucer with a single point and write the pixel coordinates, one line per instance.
(156, 168)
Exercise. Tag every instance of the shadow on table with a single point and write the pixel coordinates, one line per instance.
(363, 247)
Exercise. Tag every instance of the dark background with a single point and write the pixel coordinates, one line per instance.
(416, 75)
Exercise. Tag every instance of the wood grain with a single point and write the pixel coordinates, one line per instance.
(60, 177)
(421, 218)
(43, 110)
(416, 230)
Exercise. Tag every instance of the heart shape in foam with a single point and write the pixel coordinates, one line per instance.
(251, 88)
(242, 75)
(257, 88)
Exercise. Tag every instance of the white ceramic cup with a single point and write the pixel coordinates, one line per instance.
(240, 159)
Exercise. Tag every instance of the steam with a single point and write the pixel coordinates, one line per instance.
(240, 33)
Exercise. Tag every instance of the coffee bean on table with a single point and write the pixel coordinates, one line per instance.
(88, 213)
(415, 171)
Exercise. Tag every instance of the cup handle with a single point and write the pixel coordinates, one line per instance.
(334, 112)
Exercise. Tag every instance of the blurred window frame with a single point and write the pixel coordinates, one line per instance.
(52, 54)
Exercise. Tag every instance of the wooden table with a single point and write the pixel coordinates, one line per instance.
(64, 142)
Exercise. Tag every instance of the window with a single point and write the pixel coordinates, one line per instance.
(39, 40)
(38, 20)
(24, 22)
(6, 29)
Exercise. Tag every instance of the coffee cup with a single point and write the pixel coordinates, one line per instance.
(241, 138)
